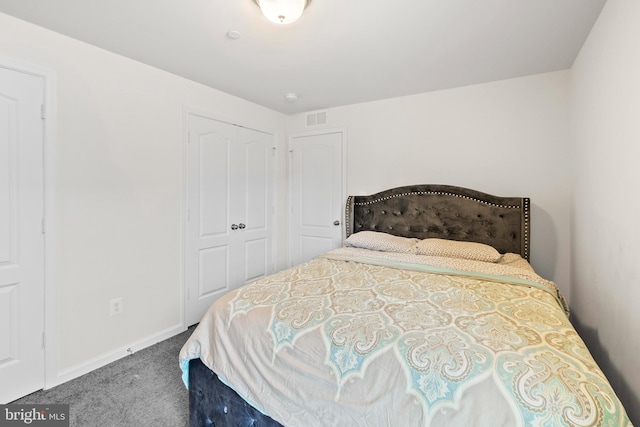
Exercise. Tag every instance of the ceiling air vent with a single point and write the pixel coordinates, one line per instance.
(317, 119)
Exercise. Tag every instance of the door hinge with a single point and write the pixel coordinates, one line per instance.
(42, 226)
(43, 112)
(44, 340)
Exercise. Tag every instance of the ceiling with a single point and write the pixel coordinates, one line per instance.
(340, 52)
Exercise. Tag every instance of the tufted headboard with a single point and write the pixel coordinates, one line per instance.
(446, 212)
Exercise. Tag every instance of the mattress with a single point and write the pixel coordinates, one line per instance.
(360, 337)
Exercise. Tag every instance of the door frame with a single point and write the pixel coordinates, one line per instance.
(50, 338)
(186, 112)
(343, 131)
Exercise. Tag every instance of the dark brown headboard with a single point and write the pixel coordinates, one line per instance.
(446, 212)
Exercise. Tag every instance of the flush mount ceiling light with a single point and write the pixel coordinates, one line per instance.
(282, 11)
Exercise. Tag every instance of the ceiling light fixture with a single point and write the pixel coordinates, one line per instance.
(282, 11)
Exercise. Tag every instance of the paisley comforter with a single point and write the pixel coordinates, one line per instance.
(364, 338)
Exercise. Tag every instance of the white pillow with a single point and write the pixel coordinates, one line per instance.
(455, 249)
(378, 241)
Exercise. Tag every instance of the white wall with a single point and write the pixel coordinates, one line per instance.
(119, 189)
(606, 203)
(508, 138)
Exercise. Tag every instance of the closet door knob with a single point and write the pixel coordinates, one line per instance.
(336, 222)
(234, 226)
(241, 226)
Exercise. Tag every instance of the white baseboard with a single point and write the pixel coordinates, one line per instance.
(99, 362)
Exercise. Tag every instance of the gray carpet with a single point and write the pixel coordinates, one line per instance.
(144, 389)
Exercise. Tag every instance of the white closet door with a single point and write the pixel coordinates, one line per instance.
(209, 258)
(229, 202)
(21, 238)
(317, 194)
(255, 231)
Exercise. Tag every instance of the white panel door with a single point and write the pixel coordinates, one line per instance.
(254, 222)
(229, 202)
(317, 194)
(21, 238)
(209, 261)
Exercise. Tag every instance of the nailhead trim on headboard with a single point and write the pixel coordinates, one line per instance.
(348, 216)
(525, 233)
(523, 206)
(436, 193)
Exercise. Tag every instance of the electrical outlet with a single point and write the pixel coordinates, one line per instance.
(116, 306)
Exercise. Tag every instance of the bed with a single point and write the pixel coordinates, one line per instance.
(430, 315)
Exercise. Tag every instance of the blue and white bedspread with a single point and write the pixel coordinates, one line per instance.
(360, 338)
